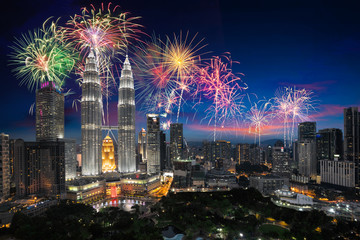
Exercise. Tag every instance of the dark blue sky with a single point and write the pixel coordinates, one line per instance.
(312, 44)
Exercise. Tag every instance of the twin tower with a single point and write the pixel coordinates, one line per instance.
(91, 119)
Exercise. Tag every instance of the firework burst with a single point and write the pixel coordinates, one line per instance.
(259, 116)
(105, 30)
(154, 81)
(292, 106)
(42, 55)
(218, 83)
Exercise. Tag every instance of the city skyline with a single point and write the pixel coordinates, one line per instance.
(332, 78)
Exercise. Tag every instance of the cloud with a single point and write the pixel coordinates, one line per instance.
(317, 86)
(328, 110)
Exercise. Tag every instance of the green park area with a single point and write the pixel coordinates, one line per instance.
(210, 215)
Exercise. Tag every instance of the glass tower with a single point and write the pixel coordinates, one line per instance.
(49, 113)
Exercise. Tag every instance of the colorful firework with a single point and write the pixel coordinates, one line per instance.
(182, 58)
(218, 83)
(105, 30)
(165, 125)
(42, 55)
(293, 106)
(259, 116)
(154, 80)
(166, 68)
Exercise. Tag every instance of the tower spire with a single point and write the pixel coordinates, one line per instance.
(126, 120)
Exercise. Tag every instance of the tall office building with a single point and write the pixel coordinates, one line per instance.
(153, 143)
(40, 167)
(126, 120)
(280, 158)
(91, 116)
(49, 113)
(163, 159)
(4, 167)
(256, 154)
(242, 153)
(306, 130)
(352, 138)
(307, 158)
(142, 144)
(329, 144)
(70, 158)
(176, 141)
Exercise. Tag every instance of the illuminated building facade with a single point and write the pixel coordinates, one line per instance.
(176, 141)
(307, 158)
(4, 167)
(108, 155)
(49, 112)
(153, 143)
(340, 173)
(86, 190)
(91, 114)
(126, 120)
(352, 139)
(39, 168)
(242, 153)
(70, 158)
(142, 144)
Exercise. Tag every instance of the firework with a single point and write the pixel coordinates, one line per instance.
(182, 57)
(154, 82)
(293, 106)
(165, 125)
(259, 116)
(105, 30)
(219, 84)
(42, 55)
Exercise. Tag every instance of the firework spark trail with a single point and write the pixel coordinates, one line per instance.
(218, 83)
(42, 55)
(259, 116)
(181, 57)
(154, 81)
(293, 105)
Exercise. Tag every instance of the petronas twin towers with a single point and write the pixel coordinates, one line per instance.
(91, 115)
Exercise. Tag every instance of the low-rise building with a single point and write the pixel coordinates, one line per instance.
(85, 190)
(268, 184)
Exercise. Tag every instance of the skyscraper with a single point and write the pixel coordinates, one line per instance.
(176, 141)
(39, 167)
(153, 143)
(242, 153)
(307, 158)
(163, 160)
(49, 113)
(142, 144)
(352, 138)
(280, 158)
(306, 130)
(91, 114)
(70, 158)
(4, 167)
(126, 120)
(329, 144)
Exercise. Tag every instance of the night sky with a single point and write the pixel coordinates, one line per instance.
(310, 44)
